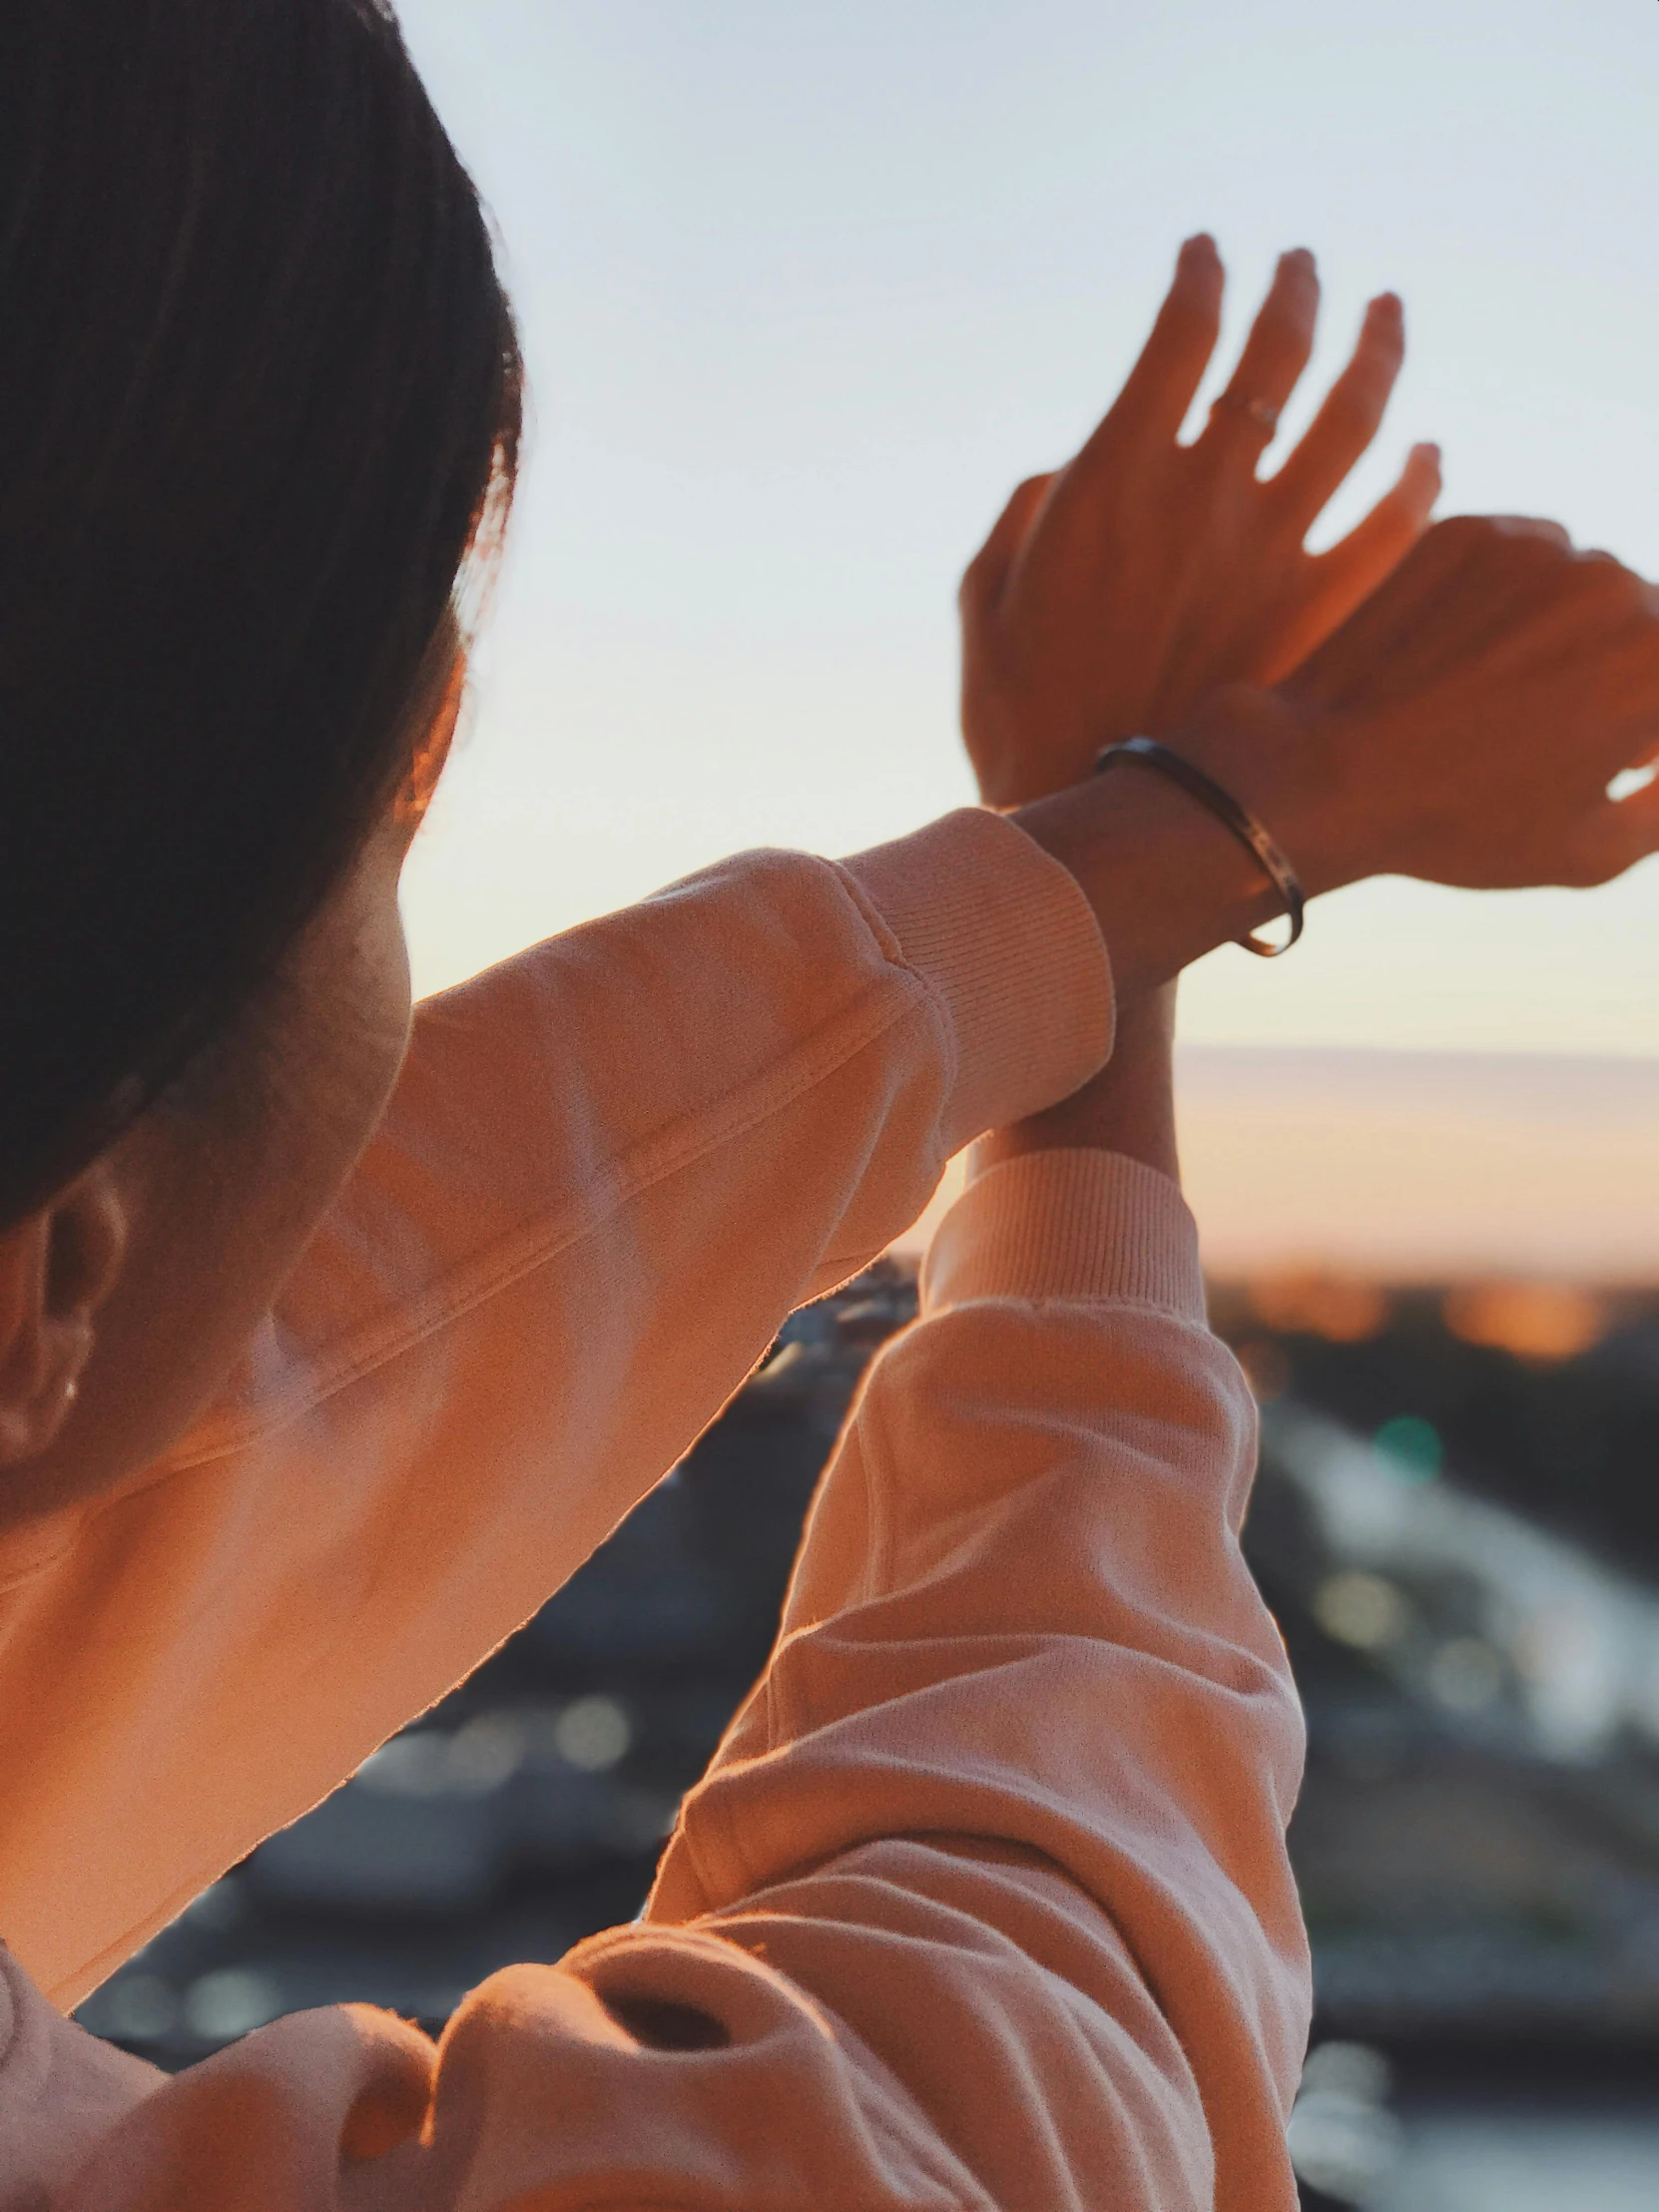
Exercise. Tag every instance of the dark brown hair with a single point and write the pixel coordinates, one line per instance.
(260, 389)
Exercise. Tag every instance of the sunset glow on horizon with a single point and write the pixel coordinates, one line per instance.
(1412, 1167)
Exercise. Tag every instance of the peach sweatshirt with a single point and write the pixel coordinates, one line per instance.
(984, 1900)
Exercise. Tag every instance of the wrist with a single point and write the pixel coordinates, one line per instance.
(1128, 1108)
(1167, 878)
(1166, 881)
(1261, 748)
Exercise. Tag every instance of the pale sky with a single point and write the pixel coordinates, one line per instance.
(807, 288)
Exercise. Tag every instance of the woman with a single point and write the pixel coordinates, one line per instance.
(326, 1354)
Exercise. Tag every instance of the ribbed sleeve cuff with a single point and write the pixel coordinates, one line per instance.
(1008, 946)
(1068, 1224)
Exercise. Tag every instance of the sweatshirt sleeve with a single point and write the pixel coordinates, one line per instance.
(983, 1902)
(611, 1166)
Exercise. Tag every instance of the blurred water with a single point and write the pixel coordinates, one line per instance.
(1512, 2162)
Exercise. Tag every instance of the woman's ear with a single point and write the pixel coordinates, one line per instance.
(57, 1267)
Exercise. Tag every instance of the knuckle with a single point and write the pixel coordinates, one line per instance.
(1523, 552)
(1621, 590)
(1464, 534)
(1533, 535)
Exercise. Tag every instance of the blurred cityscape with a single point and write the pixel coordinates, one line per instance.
(1457, 1527)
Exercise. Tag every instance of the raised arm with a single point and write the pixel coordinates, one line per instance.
(504, 1334)
(477, 1377)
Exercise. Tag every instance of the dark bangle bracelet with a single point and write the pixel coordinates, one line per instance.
(1226, 809)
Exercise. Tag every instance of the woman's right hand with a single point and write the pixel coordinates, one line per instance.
(1462, 727)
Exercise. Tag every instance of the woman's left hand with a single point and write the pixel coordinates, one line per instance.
(1113, 595)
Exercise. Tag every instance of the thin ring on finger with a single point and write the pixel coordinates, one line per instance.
(1262, 415)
